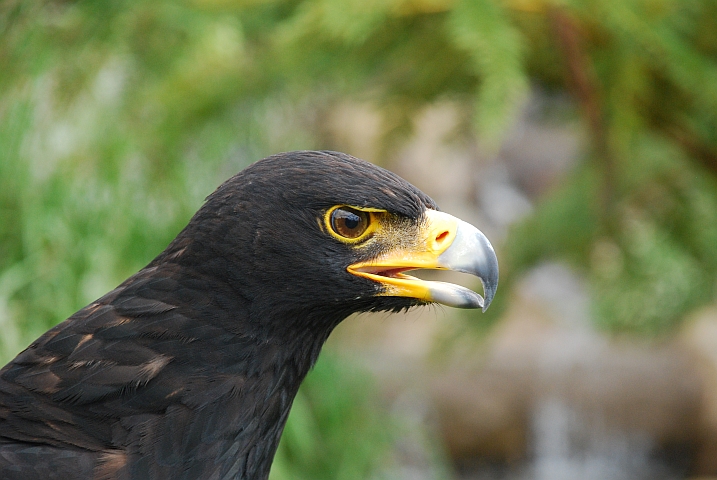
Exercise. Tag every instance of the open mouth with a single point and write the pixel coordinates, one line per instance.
(397, 284)
(389, 272)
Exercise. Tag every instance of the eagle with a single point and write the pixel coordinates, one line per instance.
(188, 369)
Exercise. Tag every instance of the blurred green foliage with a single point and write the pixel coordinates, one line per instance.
(652, 257)
(118, 117)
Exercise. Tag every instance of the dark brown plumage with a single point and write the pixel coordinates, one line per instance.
(188, 369)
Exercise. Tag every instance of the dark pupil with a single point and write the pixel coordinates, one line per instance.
(348, 223)
(352, 221)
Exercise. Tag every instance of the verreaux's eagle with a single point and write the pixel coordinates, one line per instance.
(188, 369)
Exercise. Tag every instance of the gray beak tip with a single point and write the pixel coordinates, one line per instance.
(489, 279)
(471, 252)
(488, 292)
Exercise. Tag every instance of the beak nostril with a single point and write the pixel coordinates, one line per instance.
(442, 236)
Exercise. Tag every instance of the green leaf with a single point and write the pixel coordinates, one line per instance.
(495, 46)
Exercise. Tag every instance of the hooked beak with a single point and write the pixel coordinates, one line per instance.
(448, 243)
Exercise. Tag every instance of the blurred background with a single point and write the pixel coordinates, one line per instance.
(579, 135)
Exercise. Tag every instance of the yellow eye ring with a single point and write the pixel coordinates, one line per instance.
(350, 224)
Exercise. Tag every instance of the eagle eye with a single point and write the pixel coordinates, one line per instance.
(349, 223)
